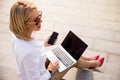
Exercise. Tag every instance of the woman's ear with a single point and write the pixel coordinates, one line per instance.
(28, 27)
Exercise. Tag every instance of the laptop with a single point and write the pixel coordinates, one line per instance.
(68, 52)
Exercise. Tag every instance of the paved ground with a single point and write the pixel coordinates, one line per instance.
(100, 31)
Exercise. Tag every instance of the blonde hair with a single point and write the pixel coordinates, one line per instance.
(19, 14)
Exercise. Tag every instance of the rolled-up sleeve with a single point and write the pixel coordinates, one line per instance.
(34, 66)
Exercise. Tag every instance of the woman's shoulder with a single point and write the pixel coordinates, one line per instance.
(29, 46)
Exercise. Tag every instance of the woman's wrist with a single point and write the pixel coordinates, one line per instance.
(50, 71)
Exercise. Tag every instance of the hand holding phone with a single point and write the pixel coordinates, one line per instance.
(53, 37)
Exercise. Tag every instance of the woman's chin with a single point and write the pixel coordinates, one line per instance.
(39, 27)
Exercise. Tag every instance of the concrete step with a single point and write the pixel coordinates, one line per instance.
(108, 71)
(7, 58)
(8, 72)
(109, 68)
(81, 74)
(93, 75)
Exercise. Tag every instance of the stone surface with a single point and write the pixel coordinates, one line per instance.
(97, 22)
(8, 73)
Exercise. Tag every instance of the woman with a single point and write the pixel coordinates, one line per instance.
(30, 56)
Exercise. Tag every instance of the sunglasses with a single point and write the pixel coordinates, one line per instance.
(36, 20)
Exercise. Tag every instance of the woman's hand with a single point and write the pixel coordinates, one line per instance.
(46, 42)
(53, 66)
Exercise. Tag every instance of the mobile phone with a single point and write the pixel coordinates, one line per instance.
(53, 37)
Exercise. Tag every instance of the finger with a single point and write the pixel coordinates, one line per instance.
(55, 63)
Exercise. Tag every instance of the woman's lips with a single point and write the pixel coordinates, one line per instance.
(39, 26)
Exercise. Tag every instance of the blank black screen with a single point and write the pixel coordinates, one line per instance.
(74, 45)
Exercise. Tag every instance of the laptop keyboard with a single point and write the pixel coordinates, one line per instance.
(62, 57)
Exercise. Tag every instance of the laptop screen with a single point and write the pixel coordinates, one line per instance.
(74, 45)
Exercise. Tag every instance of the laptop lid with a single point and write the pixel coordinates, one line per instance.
(74, 45)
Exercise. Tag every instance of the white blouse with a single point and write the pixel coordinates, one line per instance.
(30, 59)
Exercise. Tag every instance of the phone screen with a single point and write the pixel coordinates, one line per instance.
(53, 37)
